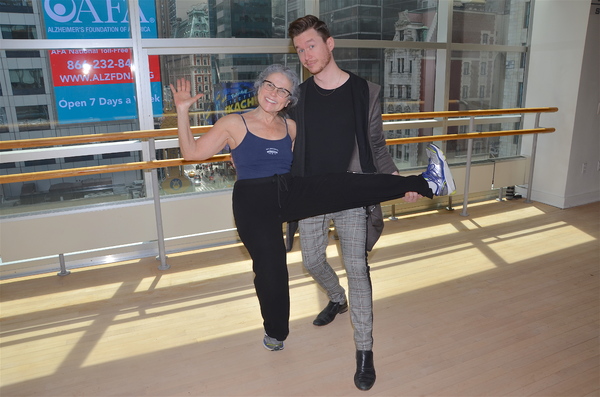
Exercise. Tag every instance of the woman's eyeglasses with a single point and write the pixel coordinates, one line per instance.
(281, 92)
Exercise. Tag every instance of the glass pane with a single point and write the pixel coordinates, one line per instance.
(417, 20)
(501, 22)
(485, 80)
(195, 178)
(51, 194)
(409, 86)
(89, 92)
(226, 18)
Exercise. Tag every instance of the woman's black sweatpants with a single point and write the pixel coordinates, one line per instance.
(260, 206)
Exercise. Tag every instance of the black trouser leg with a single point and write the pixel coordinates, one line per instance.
(259, 227)
(326, 194)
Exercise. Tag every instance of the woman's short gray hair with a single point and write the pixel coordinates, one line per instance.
(287, 72)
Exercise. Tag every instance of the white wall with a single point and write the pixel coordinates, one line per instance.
(583, 187)
(563, 72)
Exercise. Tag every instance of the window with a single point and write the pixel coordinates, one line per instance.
(22, 54)
(117, 155)
(76, 159)
(18, 32)
(520, 95)
(32, 118)
(226, 72)
(3, 121)
(16, 6)
(27, 81)
(36, 163)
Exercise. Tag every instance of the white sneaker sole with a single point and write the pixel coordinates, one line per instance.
(447, 173)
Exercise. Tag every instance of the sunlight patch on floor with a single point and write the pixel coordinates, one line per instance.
(30, 345)
(429, 268)
(516, 215)
(512, 248)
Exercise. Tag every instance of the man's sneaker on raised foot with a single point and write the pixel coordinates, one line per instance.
(272, 343)
(438, 173)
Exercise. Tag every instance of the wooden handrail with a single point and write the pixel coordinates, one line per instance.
(145, 165)
(148, 134)
(465, 113)
(167, 132)
(469, 135)
(96, 138)
(103, 169)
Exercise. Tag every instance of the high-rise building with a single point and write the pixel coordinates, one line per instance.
(241, 19)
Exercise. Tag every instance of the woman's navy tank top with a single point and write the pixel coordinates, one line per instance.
(256, 157)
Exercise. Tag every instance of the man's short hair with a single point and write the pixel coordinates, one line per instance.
(307, 22)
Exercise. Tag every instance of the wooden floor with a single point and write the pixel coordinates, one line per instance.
(503, 302)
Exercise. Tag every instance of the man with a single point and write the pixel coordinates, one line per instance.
(339, 129)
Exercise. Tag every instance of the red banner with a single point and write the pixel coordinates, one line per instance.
(96, 66)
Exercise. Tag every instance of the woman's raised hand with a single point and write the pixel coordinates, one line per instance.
(182, 96)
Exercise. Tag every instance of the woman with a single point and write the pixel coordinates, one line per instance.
(266, 195)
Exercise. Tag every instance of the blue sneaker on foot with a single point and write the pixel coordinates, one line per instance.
(272, 343)
(438, 173)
